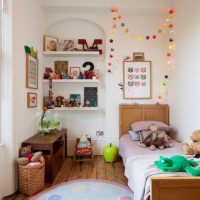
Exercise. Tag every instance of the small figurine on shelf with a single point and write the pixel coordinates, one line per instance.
(87, 103)
(57, 76)
(88, 74)
(94, 75)
(59, 101)
(65, 102)
(80, 76)
(64, 76)
(48, 73)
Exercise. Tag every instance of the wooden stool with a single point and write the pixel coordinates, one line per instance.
(83, 157)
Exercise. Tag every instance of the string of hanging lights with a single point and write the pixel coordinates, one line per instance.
(167, 25)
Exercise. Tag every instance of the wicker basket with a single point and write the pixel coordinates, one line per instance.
(31, 178)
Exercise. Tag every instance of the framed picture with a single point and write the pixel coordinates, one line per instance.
(66, 45)
(96, 72)
(61, 67)
(75, 71)
(31, 72)
(31, 100)
(90, 96)
(138, 56)
(50, 43)
(137, 80)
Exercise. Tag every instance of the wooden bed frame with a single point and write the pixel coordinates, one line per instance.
(162, 188)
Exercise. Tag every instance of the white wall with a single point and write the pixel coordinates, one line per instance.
(25, 18)
(30, 31)
(141, 22)
(184, 103)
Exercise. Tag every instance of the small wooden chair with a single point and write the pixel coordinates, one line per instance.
(83, 157)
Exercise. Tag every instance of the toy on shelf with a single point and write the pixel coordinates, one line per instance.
(64, 76)
(48, 73)
(84, 44)
(88, 74)
(80, 76)
(59, 101)
(26, 156)
(57, 76)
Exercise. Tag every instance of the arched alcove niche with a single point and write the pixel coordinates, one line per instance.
(80, 122)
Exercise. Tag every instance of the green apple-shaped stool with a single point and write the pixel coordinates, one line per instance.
(110, 153)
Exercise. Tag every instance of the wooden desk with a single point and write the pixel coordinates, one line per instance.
(53, 145)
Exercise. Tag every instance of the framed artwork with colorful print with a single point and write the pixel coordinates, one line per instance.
(31, 100)
(137, 80)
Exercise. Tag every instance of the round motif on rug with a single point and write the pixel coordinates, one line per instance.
(86, 190)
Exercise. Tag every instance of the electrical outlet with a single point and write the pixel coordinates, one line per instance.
(99, 133)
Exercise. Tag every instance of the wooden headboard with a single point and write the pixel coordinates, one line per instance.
(129, 113)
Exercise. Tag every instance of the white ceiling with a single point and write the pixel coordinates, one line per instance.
(137, 6)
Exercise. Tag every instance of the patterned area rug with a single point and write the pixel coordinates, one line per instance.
(86, 190)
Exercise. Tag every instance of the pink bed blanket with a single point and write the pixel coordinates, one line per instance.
(128, 147)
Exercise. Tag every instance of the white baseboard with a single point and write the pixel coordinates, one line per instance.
(98, 146)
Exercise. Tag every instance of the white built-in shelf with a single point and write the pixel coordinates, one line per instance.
(75, 109)
(71, 53)
(72, 81)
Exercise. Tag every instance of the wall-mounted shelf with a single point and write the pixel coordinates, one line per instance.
(73, 81)
(75, 109)
(71, 53)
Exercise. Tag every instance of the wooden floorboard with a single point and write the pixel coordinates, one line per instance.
(99, 170)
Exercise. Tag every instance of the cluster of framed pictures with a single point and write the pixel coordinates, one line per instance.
(31, 79)
(55, 44)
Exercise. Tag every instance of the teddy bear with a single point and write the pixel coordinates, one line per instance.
(194, 147)
(156, 139)
(160, 140)
(152, 135)
(26, 155)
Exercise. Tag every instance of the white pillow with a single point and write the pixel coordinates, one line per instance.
(134, 135)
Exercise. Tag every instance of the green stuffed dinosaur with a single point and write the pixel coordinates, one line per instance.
(177, 164)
